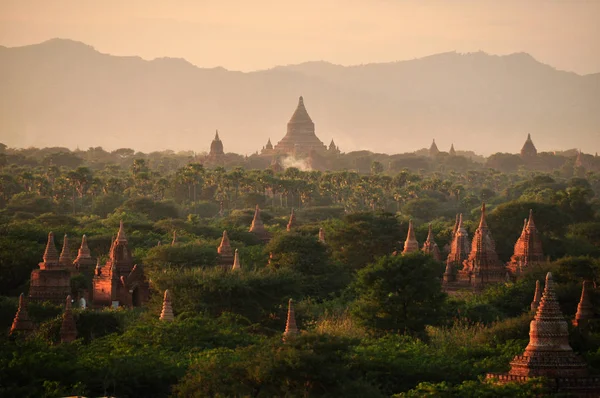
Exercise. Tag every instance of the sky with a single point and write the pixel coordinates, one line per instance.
(249, 35)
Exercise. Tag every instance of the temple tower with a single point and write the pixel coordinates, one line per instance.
(528, 249)
(430, 247)
(528, 152)
(224, 251)
(258, 228)
(537, 297)
(216, 147)
(483, 264)
(333, 149)
(236, 261)
(52, 281)
(21, 322)
(167, 310)
(459, 252)
(68, 328)
(585, 308)
(300, 137)
(292, 222)
(65, 260)
(84, 262)
(290, 325)
(322, 235)
(410, 244)
(452, 152)
(433, 149)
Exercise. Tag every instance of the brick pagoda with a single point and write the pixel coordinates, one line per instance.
(459, 252)
(430, 247)
(528, 249)
(410, 244)
(224, 252)
(300, 137)
(258, 228)
(52, 281)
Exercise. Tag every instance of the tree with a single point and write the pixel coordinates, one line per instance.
(399, 293)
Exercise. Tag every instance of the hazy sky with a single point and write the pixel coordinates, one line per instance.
(257, 34)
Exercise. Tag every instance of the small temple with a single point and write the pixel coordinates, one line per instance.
(585, 308)
(65, 260)
(322, 235)
(236, 261)
(300, 137)
(459, 251)
(216, 147)
(528, 249)
(430, 247)
(549, 354)
(68, 328)
(292, 222)
(119, 281)
(433, 149)
(528, 151)
(290, 325)
(258, 228)
(167, 310)
(224, 251)
(537, 297)
(452, 152)
(410, 244)
(268, 148)
(84, 262)
(21, 322)
(333, 149)
(52, 281)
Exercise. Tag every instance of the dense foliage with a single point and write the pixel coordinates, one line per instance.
(372, 324)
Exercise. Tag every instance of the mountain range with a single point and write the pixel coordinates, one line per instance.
(65, 93)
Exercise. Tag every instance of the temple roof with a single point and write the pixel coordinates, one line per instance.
(300, 114)
(528, 148)
(51, 254)
(65, 254)
(21, 322)
(121, 237)
(411, 244)
(68, 328)
(433, 149)
(167, 310)
(431, 247)
(236, 261)
(290, 324)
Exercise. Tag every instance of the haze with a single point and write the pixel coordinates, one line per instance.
(250, 35)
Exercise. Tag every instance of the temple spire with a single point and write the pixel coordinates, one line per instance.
(452, 152)
(65, 255)
(528, 248)
(411, 244)
(167, 310)
(21, 322)
(121, 234)
(482, 220)
(585, 308)
(537, 296)
(257, 227)
(68, 328)
(433, 149)
(174, 240)
(290, 325)
(431, 247)
(322, 235)
(236, 261)
(217, 135)
(84, 250)
(51, 254)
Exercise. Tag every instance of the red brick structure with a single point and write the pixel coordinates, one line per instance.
(433, 149)
(290, 325)
(537, 297)
(119, 282)
(84, 262)
(322, 235)
(585, 308)
(52, 281)
(528, 152)
(452, 151)
(430, 247)
(459, 252)
(224, 252)
(216, 147)
(236, 261)
(528, 249)
(68, 329)
(300, 138)
(292, 222)
(21, 323)
(410, 244)
(167, 310)
(483, 265)
(258, 228)
(549, 354)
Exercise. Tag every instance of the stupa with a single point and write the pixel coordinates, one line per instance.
(585, 308)
(167, 310)
(459, 252)
(225, 254)
(300, 137)
(84, 262)
(433, 149)
(410, 244)
(528, 249)
(21, 322)
(258, 228)
(290, 325)
(528, 152)
(68, 328)
(52, 281)
(292, 222)
(430, 247)
(216, 147)
(236, 261)
(537, 297)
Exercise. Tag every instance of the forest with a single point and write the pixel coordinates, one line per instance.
(371, 324)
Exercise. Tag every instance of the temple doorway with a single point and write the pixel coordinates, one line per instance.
(135, 297)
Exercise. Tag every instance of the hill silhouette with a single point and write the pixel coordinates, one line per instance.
(65, 93)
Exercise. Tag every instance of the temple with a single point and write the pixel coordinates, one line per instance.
(119, 282)
(585, 308)
(290, 325)
(258, 228)
(216, 147)
(52, 281)
(167, 310)
(537, 297)
(411, 244)
(68, 329)
(430, 247)
(224, 252)
(322, 235)
(236, 261)
(300, 137)
(528, 249)
(65, 260)
(433, 149)
(452, 152)
(549, 354)
(528, 152)
(292, 222)
(459, 251)
(267, 149)
(84, 262)
(333, 149)
(21, 323)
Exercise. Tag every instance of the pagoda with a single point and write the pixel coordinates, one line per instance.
(292, 222)
(528, 152)
(290, 325)
(84, 262)
(119, 281)
(68, 328)
(333, 149)
(167, 310)
(528, 249)
(258, 228)
(267, 149)
(452, 152)
(411, 244)
(65, 260)
(537, 297)
(430, 247)
(300, 137)
(585, 308)
(549, 354)
(216, 147)
(236, 261)
(322, 235)
(483, 265)
(459, 252)
(224, 252)
(52, 281)
(21, 323)
(433, 149)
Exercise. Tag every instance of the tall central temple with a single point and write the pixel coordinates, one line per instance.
(300, 137)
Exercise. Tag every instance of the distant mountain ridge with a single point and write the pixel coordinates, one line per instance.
(65, 93)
